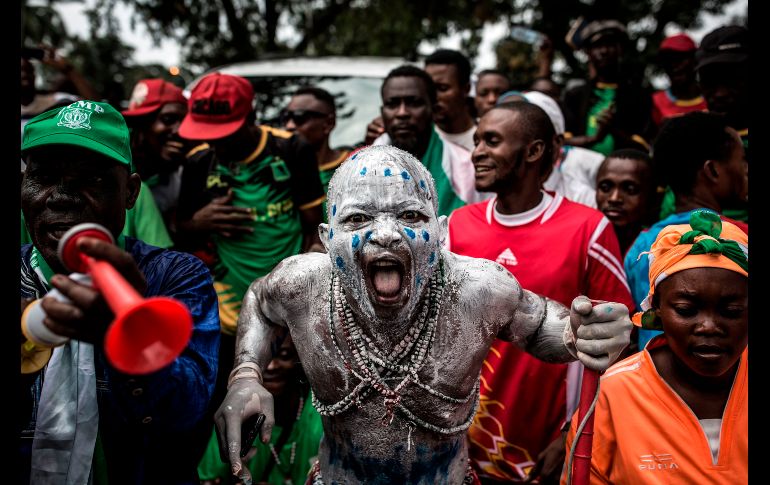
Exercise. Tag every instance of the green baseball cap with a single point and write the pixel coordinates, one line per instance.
(87, 124)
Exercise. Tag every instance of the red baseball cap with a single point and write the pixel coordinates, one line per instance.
(678, 43)
(150, 95)
(218, 106)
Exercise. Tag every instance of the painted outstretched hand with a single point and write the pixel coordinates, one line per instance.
(245, 398)
(597, 334)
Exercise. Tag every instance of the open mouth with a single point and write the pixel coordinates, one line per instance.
(386, 279)
(481, 169)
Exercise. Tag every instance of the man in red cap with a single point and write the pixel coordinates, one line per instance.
(154, 113)
(251, 194)
(677, 57)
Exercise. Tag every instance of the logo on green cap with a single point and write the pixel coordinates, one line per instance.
(78, 115)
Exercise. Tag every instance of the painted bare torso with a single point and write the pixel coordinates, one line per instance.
(480, 300)
(391, 329)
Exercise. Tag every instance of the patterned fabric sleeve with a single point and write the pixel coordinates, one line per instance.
(176, 397)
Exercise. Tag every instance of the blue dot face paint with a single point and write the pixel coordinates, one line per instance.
(354, 156)
(367, 186)
(331, 234)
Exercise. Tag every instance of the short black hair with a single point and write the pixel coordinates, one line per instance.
(408, 70)
(683, 145)
(631, 154)
(535, 124)
(320, 94)
(489, 72)
(452, 58)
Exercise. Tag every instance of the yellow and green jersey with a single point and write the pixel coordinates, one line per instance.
(277, 180)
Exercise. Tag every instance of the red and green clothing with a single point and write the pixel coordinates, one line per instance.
(666, 105)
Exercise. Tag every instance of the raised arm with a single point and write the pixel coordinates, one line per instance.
(537, 324)
(595, 335)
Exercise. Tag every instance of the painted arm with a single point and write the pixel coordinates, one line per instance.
(538, 325)
(595, 335)
(261, 329)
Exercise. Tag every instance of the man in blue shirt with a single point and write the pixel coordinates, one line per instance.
(85, 420)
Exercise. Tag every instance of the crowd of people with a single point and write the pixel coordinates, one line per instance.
(418, 308)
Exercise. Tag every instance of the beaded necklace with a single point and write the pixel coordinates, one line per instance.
(373, 367)
(287, 471)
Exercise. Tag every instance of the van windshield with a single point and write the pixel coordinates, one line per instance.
(357, 100)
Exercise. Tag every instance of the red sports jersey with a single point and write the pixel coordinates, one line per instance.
(559, 249)
(665, 105)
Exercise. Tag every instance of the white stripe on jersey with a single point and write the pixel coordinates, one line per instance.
(490, 209)
(552, 209)
(597, 256)
(611, 257)
(598, 231)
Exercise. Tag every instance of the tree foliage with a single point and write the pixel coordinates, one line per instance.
(216, 32)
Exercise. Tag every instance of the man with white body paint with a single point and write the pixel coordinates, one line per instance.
(392, 331)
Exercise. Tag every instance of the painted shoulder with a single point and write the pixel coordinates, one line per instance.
(302, 268)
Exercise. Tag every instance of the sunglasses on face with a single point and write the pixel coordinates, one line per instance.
(300, 116)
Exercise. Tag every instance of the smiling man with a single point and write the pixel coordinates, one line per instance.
(392, 331)
(554, 247)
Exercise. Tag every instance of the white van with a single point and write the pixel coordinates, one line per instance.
(353, 81)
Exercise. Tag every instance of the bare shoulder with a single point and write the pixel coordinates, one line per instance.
(482, 283)
(301, 270)
(290, 289)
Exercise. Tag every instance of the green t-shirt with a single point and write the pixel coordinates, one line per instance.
(276, 181)
(143, 222)
(304, 437)
(606, 95)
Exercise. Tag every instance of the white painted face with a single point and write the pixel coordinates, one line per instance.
(383, 236)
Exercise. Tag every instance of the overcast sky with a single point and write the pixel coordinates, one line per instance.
(167, 54)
